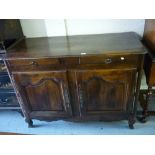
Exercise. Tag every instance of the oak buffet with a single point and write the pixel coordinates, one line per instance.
(77, 78)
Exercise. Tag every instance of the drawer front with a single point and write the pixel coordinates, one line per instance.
(103, 61)
(34, 63)
(67, 61)
(111, 60)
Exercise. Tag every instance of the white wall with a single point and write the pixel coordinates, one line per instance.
(33, 27)
(55, 27)
(49, 27)
(104, 26)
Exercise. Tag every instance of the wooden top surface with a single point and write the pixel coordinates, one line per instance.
(77, 45)
(149, 37)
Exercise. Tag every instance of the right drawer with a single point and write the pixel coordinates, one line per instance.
(111, 60)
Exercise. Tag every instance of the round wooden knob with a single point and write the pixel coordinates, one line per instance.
(34, 63)
(108, 61)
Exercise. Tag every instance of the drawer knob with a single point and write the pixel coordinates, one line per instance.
(122, 58)
(83, 53)
(108, 61)
(34, 63)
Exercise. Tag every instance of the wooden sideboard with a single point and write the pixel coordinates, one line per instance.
(77, 78)
(149, 65)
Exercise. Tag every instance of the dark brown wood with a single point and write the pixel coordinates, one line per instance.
(103, 90)
(149, 63)
(10, 29)
(10, 34)
(79, 78)
(45, 91)
(149, 34)
(72, 46)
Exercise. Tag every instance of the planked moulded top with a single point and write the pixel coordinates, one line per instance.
(77, 45)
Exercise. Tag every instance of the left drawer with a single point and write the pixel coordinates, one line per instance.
(33, 63)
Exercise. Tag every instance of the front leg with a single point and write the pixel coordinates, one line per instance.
(131, 121)
(30, 122)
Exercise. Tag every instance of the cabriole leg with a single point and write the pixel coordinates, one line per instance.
(30, 122)
(131, 121)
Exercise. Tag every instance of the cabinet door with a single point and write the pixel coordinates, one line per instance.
(44, 93)
(103, 91)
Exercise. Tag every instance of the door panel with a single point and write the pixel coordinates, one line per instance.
(44, 91)
(104, 90)
(48, 92)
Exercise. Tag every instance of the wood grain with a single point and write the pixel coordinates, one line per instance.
(54, 81)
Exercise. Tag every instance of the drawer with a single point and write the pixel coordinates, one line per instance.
(42, 63)
(35, 63)
(70, 61)
(110, 60)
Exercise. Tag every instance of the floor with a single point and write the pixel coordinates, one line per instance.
(11, 121)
